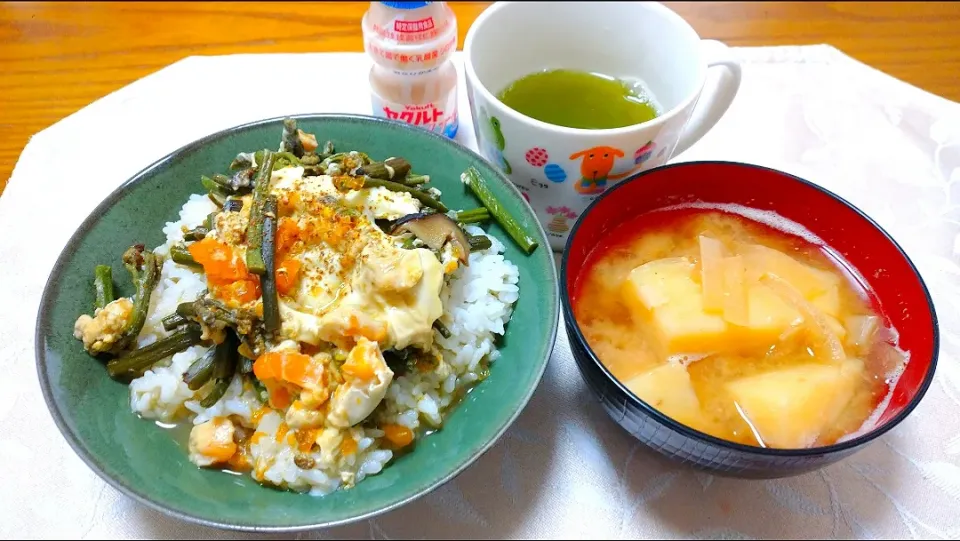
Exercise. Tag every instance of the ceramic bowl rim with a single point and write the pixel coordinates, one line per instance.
(47, 299)
(689, 432)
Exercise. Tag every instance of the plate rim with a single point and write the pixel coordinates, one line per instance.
(54, 278)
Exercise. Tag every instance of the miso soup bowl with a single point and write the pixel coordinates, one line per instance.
(899, 289)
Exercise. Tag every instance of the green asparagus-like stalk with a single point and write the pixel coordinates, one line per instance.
(416, 180)
(173, 321)
(421, 196)
(471, 177)
(211, 222)
(255, 263)
(195, 234)
(442, 329)
(208, 311)
(285, 159)
(103, 285)
(200, 371)
(328, 150)
(134, 365)
(391, 169)
(180, 254)
(145, 271)
(224, 368)
(244, 160)
(271, 302)
(479, 242)
(218, 197)
(290, 140)
(239, 182)
(214, 191)
(473, 216)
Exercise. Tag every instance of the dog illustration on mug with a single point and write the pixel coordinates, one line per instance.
(595, 167)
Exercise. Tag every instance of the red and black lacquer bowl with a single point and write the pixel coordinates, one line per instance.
(898, 287)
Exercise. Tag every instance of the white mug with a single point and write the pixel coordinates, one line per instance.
(561, 170)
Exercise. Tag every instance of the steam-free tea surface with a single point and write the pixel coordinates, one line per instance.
(580, 99)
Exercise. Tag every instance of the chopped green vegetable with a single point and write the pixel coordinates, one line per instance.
(200, 371)
(392, 169)
(214, 191)
(416, 180)
(173, 321)
(285, 159)
(196, 234)
(328, 149)
(473, 216)
(271, 302)
(479, 242)
(244, 160)
(471, 177)
(224, 368)
(290, 140)
(400, 361)
(442, 329)
(213, 313)
(218, 197)
(144, 269)
(180, 254)
(208, 183)
(134, 364)
(255, 263)
(211, 222)
(103, 285)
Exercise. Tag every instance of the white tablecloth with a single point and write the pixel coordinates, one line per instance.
(564, 469)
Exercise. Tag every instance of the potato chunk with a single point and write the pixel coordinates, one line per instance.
(665, 293)
(668, 389)
(668, 295)
(789, 408)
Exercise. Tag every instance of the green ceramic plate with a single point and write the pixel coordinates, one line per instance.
(149, 464)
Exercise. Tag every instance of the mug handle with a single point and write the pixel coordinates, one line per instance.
(711, 107)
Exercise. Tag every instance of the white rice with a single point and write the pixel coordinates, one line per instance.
(478, 301)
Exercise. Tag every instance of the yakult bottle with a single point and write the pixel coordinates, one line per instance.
(413, 78)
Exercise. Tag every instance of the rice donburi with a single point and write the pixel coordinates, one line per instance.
(311, 316)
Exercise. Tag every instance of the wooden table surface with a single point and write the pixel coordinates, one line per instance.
(58, 57)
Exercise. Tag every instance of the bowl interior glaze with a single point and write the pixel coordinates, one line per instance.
(151, 465)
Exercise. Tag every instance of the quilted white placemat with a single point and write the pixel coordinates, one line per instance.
(564, 469)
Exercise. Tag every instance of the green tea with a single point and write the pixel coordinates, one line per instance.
(579, 99)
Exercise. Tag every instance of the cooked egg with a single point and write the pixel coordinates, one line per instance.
(212, 442)
(100, 332)
(353, 279)
(367, 377)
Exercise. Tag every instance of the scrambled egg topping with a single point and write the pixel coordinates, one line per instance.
(347, 292)
(100, 332)
(354, 279)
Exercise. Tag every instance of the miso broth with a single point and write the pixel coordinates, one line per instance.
(738, 328)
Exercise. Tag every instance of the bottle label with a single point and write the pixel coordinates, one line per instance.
(434, 116)
(408, 27)
(411, 62)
